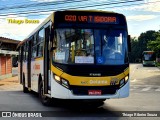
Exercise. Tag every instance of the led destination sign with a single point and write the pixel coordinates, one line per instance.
(91, 19)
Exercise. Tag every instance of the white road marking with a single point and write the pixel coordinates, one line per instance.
(135, 87)
(133, 80)
(146, 89)
(154, 70)
(144, 85)
(157, 89)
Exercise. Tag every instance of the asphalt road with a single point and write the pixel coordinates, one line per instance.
(144, 96)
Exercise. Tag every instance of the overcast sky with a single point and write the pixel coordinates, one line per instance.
(142, 15)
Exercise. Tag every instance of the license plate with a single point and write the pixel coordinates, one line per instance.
(94, 92)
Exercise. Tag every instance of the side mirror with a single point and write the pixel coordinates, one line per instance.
(53, 48)
(129, 43)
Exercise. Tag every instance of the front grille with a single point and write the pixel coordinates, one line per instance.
(83, 90)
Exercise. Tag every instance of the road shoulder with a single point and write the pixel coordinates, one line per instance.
(10, 84)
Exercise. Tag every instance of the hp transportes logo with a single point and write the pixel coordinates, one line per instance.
(21, 114)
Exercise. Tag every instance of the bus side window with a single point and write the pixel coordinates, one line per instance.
(34, 47)
(24, 53)
(34, 51)
(40, 43)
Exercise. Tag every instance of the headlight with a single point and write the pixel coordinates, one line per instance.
(57, 78)
(126, 78)
(121, 83)
(65, 83)
(61, 81)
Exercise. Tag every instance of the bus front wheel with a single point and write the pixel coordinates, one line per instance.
(44, 99)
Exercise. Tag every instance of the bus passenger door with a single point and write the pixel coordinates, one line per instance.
(20, 64)
(47, 60)
(29, 65)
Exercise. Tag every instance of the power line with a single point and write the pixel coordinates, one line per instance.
(19, 3)
(44, 12)
(41, 4)
(61, 8)
(62, 3)
(93, 5)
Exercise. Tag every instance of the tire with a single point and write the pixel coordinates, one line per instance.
(25, 89)
(44, 99)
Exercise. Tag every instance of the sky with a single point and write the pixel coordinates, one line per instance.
(141, 15)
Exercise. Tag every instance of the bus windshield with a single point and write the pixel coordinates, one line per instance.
(149, 56)
(90, 46)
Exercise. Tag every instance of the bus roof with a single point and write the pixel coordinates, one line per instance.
(147, 51)
(51, 17)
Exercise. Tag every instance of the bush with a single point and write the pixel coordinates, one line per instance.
(158, 64)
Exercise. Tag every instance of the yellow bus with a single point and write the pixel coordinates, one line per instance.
(77, 55)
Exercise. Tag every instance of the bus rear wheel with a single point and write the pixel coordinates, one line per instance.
(44, 99)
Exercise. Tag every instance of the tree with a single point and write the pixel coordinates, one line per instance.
(134, 50)
(139, 45)
(155, 45)
(144, 38)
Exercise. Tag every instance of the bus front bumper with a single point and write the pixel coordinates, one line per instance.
(149, 63)
(58, 91)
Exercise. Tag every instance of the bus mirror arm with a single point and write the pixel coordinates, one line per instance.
(129, 43)
(53, 48)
